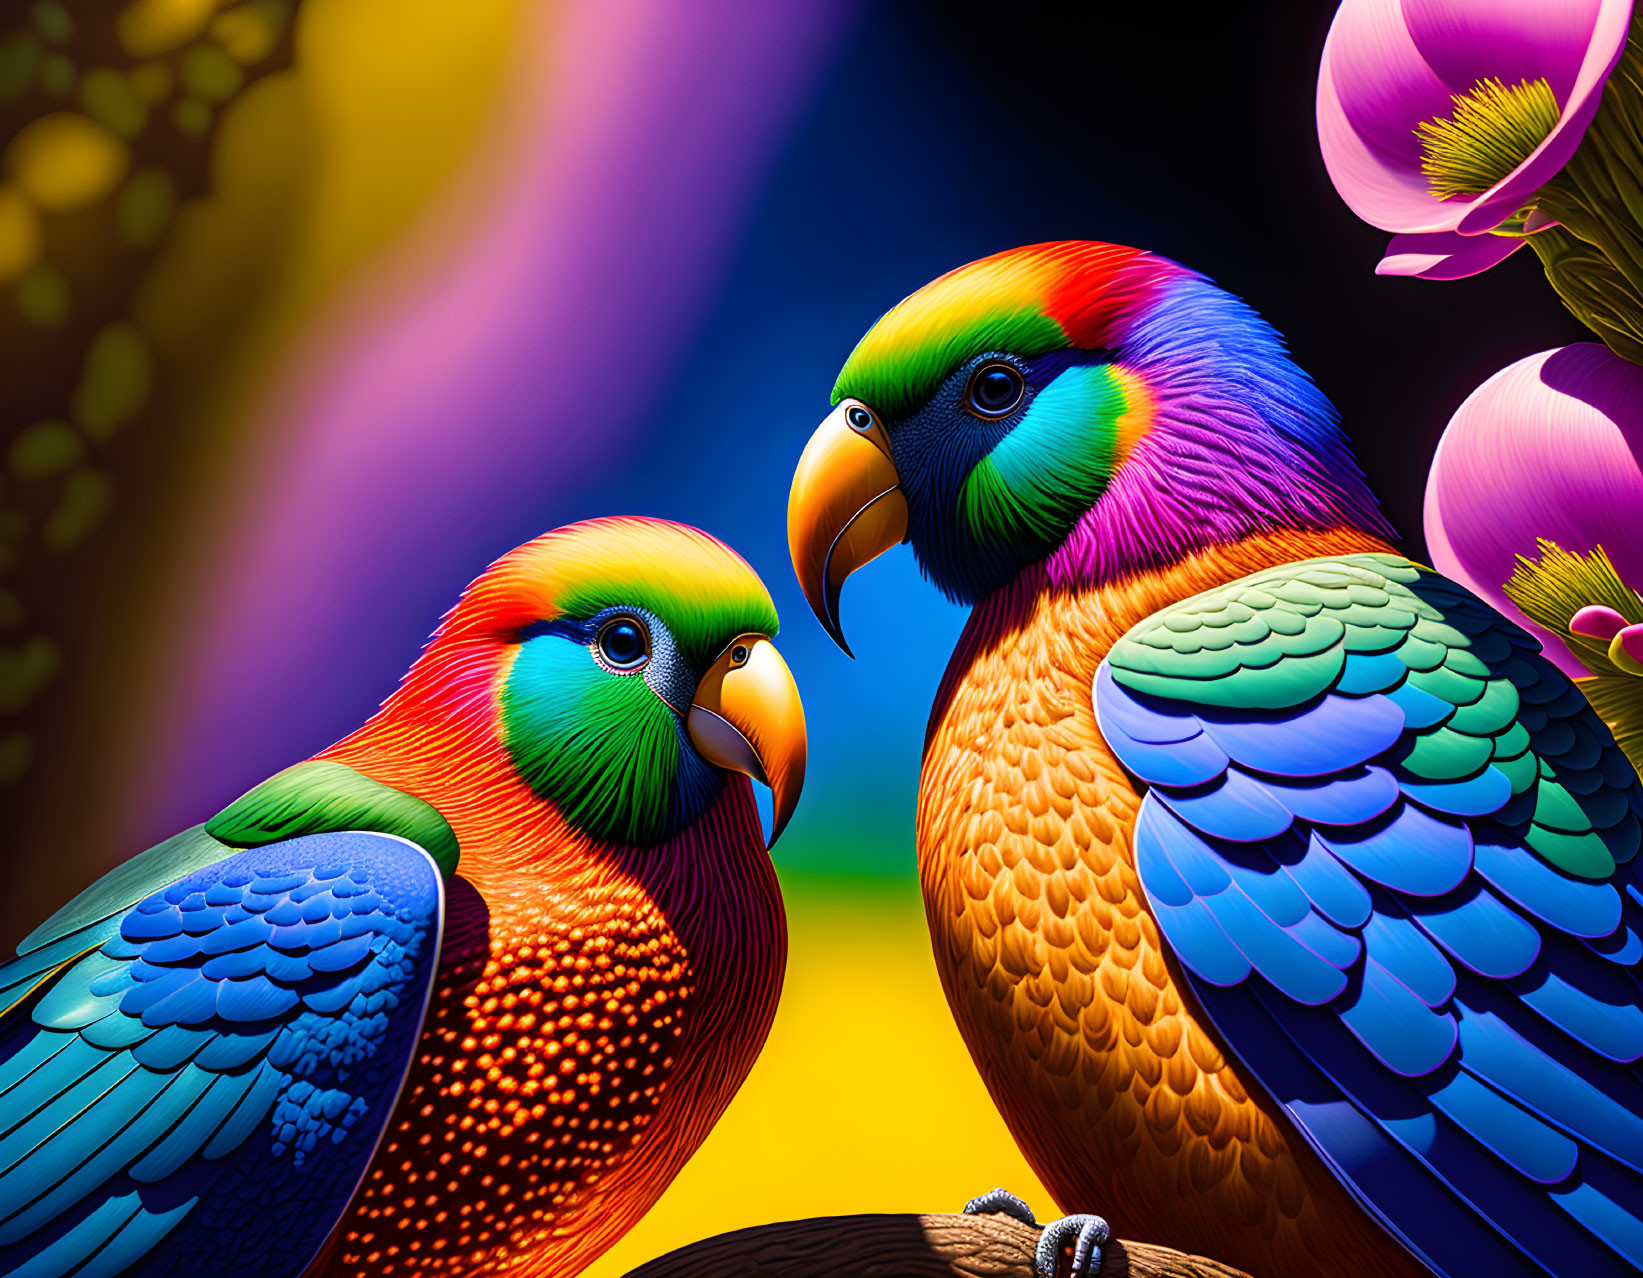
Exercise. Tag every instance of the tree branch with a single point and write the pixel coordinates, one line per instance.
(990, 1246)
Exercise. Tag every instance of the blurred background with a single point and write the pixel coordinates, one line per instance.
(311, 308)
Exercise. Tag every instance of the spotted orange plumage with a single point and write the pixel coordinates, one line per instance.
(1088, 1041)
(596, 1006)
(583, 1038)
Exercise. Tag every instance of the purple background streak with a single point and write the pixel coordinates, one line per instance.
(418, 445)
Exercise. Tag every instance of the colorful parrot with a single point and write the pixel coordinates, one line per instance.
(305, 1038)
(1285, 895)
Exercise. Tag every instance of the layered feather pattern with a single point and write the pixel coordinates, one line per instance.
(224, 1049)
(1395, 851)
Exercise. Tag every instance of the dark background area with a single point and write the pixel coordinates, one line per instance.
(935, 133)
(1190, 130)
(943, 132)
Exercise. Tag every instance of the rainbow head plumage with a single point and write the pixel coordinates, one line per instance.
(579, 656)
(1151, 414)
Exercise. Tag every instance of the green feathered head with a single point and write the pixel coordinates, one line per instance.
(635, 670)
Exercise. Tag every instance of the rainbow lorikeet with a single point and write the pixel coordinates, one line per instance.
(1286, 896)
(458, 995)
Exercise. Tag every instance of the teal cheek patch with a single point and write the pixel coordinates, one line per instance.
(602, 747)
(1041, 477)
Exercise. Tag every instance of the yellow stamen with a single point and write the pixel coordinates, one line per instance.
(1495, 128)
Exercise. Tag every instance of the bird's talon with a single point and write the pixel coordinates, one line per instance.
(1087, 1234)
(1001, 1202)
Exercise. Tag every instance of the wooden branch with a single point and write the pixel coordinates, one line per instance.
(990, 1246)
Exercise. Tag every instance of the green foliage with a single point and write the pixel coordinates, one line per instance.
(1550, 591)
(1559, 584)
(1593, 258)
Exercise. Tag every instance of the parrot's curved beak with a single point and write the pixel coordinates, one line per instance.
(846, 507)
(747, 717)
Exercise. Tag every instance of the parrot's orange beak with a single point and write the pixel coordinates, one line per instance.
(747, 717)
(846, 508)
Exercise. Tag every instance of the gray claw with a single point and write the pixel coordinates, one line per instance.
(1087, 1233)
(1003, 1203)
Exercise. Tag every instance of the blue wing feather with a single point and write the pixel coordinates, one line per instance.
(1623, 946)
(1333, 890)
(184, 1060)
(1420, 709)
(1608, 1203)
(1584, 997)
(1479, 930)
(1182, 763)
(1514, 1135)
(1460, 832)
(1482, 794)
(1578, 907)
(1351, 797)
(1408, 849)
(1334, 734)
(1337, 948)
(1234, 806)
(1601, 1106)
(1462, 1166)
(1377, 1169)
(1404, 950)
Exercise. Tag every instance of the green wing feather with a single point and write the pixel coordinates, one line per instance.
(325, 797)
(1278, 639)
(316, 797)
(94, 916)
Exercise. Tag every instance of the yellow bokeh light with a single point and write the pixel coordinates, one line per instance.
(65, 161)
(248, 33)
(19, 234)
(149, 27)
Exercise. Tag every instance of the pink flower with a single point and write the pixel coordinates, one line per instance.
(1550, 447)
(1399, 76)
(1446, 255)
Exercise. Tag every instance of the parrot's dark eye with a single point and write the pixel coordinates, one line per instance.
(858, 417)
(624, 644)
(739, 655)
(995, 389)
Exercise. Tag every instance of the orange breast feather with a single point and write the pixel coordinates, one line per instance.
(1117, 1090)
(593, 1014)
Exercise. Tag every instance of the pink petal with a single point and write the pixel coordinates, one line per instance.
(1595, 621)
(1373, 86)
(1517, 39)
(1626, 650)
(1607, 43)
(1443, 255)
(1552, 447)
(1387, 65)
